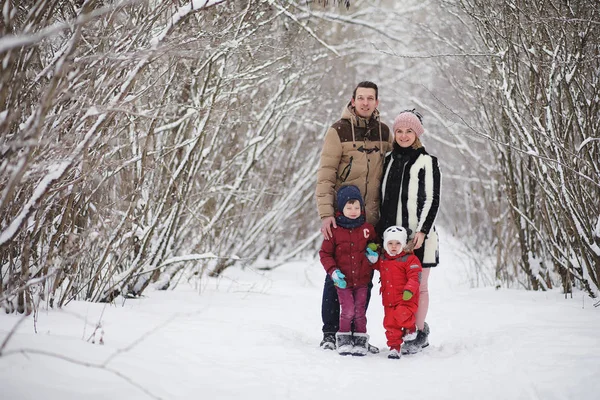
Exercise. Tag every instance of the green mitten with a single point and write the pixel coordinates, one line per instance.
(407, 295)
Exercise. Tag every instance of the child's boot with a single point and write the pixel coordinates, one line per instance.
(409, 334)
(361, 344)
(344, 343)
(394, 353)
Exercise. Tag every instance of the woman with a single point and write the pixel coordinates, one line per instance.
(410, 198)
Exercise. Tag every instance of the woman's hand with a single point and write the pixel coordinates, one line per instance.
(418, 240)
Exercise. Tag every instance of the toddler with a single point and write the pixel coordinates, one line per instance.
(400, 272)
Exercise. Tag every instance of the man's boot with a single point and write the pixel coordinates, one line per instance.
(373, 349)
(328, 342)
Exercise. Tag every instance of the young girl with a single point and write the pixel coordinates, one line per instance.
(343, 257)
(400, 273)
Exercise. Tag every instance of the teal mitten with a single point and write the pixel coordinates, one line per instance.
(338, 279)
(372, 256)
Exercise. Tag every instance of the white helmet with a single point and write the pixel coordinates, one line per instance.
(394, 233)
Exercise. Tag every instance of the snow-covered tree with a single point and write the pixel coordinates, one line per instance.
(539, 100)
(148, 142)
(142, 137)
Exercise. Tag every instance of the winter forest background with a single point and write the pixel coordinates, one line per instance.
(154, 142)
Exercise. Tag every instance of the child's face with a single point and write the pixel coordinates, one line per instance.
(351, 210)
(394, 247)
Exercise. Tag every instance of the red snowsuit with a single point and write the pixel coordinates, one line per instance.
(399, 273)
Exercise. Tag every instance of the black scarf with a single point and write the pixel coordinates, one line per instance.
(348, 223)
(404, 154)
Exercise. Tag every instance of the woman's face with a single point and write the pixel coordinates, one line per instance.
(405, 137)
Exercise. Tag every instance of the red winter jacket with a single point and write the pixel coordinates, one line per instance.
(399, 273)
(346, 251)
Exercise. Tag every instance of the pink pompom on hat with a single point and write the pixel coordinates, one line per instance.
(409, 119)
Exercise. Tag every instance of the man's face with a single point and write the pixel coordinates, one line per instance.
(365, 102)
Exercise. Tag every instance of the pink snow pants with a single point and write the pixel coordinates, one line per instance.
(353, 304)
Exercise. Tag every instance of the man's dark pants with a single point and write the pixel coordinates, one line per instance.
(330, 306)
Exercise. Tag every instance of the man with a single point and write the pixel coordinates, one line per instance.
(353, 153)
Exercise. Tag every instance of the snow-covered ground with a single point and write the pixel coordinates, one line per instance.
(255, 335)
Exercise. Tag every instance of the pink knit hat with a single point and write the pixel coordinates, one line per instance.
(408, 119)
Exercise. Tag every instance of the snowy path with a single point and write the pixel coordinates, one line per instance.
(253, 335)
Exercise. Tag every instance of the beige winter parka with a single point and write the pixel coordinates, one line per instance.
(353, 154)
